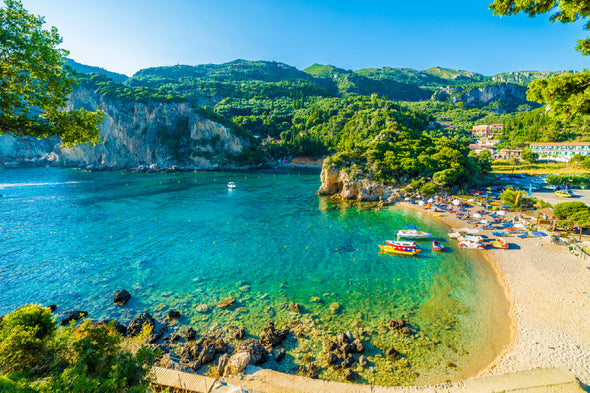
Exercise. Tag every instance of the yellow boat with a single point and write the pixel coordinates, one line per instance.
(401, 248)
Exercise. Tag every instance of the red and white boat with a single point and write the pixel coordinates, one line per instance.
(437, 246)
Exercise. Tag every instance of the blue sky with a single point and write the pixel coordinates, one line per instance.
(128, 35)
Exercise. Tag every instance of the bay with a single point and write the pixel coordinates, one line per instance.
(177, 240)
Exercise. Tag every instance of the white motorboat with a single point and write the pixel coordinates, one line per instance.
(412, 234)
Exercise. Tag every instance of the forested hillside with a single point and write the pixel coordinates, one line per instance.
(382, 121)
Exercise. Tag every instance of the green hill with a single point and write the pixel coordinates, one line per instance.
(86, 69)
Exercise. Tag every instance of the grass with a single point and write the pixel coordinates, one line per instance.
(562, 168)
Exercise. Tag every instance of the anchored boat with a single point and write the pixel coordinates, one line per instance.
(398, 247)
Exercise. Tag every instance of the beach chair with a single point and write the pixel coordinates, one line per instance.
(523, 235)
(499, 234)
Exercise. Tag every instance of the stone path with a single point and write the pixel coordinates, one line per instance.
(256, 380)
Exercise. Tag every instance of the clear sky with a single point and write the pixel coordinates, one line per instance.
(128, 35)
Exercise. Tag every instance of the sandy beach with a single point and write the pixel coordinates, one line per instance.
(549, 290)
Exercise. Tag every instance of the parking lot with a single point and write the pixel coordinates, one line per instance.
(549, 196)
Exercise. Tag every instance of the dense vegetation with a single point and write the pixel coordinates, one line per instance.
(37, 356)
(327, 111)
(522, 128)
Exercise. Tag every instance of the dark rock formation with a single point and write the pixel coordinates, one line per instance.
(272, 336)
(52, 307)
(154, 337)
(119, 327)
(280, 355)
(258, 354)
(188, 333)
(122, 297)
(173, 314)
(73, 316)
(137, 323)
(350, 375)
(331, 358)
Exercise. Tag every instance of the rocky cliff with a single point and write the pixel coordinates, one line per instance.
(497, 96)
(340, 183)
(153, 136)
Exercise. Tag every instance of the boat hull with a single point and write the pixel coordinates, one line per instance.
(398, 250)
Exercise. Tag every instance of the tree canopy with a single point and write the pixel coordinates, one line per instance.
(567, 94)
(35, 82)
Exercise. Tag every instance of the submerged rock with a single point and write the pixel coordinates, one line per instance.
(239, 333)
(392, 354)
(335, 307)
(226, 303)
(173, 314)
(202, 308)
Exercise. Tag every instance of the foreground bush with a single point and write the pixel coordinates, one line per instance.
(35, 356)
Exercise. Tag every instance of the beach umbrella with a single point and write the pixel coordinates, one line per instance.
(456, 202)
(471, 200)
(501, 213)
(430, 200)
(476, 215)
(406, 198)
(421, 203)
(485, 222)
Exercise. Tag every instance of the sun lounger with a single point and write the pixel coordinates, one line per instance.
(523, 235)
(499, 234)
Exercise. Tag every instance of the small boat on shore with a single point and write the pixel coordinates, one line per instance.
(437, 246)
(398, 247)
(472, 245)
(499, 243)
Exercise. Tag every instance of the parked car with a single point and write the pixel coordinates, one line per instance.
(564, 193)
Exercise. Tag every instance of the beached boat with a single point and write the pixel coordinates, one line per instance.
(499, 243)
(437, 246)
(401, 248)
(231, 185)
(472, 245)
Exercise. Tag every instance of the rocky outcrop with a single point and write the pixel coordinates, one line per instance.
(340, 183)
(134, 135)
(496, 96)
(121, 297)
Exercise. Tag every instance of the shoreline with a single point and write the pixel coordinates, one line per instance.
(508, 337)
(548, 291)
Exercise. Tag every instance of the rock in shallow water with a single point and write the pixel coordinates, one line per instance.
(138, 322)
(122, 297)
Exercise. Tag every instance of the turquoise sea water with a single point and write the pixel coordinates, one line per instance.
(177, 240)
